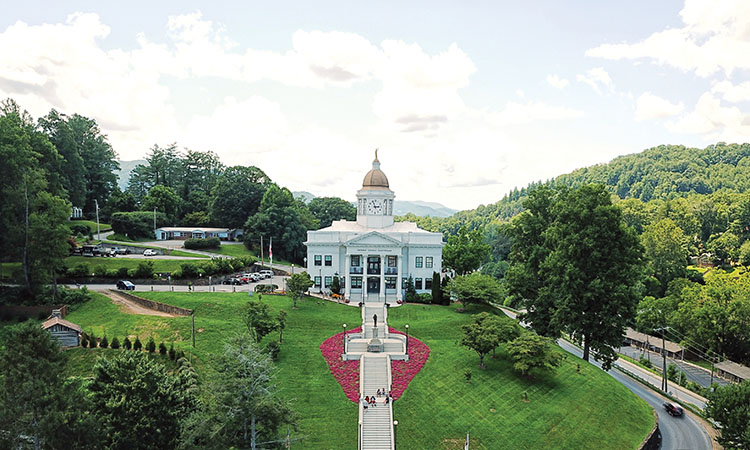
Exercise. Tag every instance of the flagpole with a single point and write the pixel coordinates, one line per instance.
(270, 252)
(261, 251)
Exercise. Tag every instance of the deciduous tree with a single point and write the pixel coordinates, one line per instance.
(466, 251)
(728, 405)
(532, 352)
(328, 209)
(297, 285)
(258, 319)
(476, 288)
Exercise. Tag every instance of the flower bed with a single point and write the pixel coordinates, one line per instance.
(402, 372)
(345, 372)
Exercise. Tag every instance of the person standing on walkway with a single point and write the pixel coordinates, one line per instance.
(375, 320)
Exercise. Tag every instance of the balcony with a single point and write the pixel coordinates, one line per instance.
(391, 271)
(356, 270)
(373, 271)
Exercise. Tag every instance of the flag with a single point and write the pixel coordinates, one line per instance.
(466, 446)
(270, 250)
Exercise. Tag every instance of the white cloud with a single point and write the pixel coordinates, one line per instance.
(711, 118)
(715, 36)
(519, 113)
(732, 93)
(597, 78)
(555, 81)
(650, 106)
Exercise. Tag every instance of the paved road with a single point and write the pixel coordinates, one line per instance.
(677, 433)
(183, 287)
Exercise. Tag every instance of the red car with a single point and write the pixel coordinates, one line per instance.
(673, 410)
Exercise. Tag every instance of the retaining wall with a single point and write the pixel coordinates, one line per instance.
(157, 306)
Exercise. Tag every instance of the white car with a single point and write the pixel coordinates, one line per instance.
(267, 273)
(149, 252)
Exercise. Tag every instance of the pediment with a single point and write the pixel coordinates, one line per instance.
(373, 238)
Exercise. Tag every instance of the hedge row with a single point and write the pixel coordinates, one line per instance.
(199, 244)
(90, 341)
(216, 266)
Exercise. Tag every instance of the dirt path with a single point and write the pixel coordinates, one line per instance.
(131, 307)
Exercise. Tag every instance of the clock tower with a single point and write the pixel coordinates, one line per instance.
(375, 199)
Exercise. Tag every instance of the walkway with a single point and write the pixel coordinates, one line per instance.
(375, 348)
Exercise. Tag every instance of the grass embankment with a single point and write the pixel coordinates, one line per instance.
(568, 410)
(92, 225)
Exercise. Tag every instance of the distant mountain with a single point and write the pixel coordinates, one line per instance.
(400, 207)
(123, 175)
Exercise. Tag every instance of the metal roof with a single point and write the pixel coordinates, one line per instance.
(735, 369)
(58, 321)
(652, 340)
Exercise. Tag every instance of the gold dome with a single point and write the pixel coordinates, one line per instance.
(375, 178)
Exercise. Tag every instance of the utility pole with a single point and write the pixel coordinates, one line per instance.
(97, 220)
(261, 251)
(664, 362)
(154, 219)
(192, 315)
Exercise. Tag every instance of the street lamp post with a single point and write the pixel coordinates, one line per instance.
(407, 340)
(320, 276)
(395, 425)
(344, 341)
(209, 283)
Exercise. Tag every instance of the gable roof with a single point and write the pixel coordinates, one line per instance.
(735, 369)
(58, 321)
(374, 238)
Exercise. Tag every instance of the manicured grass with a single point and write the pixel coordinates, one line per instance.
(92, 225)
(161, 249)
(568, 410)
(160, 265)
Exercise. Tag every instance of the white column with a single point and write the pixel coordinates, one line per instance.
(399, 295)
(382, 277)
(348, 288)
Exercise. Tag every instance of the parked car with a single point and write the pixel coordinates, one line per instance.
(673, 410)
(257, 276)
(233, 281)
(149, 252)
(266, 273)
(121, 251)
(127, 285)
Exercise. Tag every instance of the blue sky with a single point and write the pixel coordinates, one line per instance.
(466, 100)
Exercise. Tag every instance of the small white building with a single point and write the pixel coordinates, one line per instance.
(374, 256)
(67, 333)
(182, 233)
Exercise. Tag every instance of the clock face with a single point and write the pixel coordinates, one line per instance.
(374, 207)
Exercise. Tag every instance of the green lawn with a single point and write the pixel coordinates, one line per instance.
(92, 225)
(438, 408)
(161, 249)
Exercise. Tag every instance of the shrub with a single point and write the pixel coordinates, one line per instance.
(645, 362)
(151, 345)
(189, 270)
(467, 375)
(425, 298)
(273, 348)
(145, 270)
(126, 343)
(411, 292)
(162, 349)
(112, 273)
(672, 372)
(197, 244)
(131, 273)
(104, 343)
(172, 353)
(79, 228)
(92, 340)
(115, 343)
(74, 296)
(84, 339)
(100, 271)
(80, 270)
(137, 344)
(122, 272)
(265, 288)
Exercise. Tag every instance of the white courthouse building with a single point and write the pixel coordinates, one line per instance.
(374, 256)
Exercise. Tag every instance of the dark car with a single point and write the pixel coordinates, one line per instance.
(232, 281)
(127, 285)
(673, 410)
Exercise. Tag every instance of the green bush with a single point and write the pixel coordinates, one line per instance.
(672, 372)
(112, 273)
(197, 244)
(84, 339)
(422, 298)
(115, 343)
(151, 345)
(137, 344)
(265, 288)
(145, 270)
(126, 343)
(645, 362)
(131, 273)
(80, 270)
(92, 340)
(273, 348)
(104, 343)
(172, 353)
(74, 296)
(79, 228)
(162, 349)
(100, 271)
(137, 224)
(122, 272)
(189, 270)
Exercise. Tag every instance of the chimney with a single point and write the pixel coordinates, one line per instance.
(56, 313)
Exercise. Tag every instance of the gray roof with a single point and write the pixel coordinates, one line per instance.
(652, 340)
(735, 369)
(58, 321)
(191, 229)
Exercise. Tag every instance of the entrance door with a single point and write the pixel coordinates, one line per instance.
(373, 284)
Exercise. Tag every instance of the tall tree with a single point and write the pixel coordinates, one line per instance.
(258, 320)
(665, 251)
(297, 285)
(531, 352)
(466, 251)
(476, 288)
(728, 406)
(163, 199)
(587, 273)
(244, 409)
(328, 209)
(140, 404)
(237, 195)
